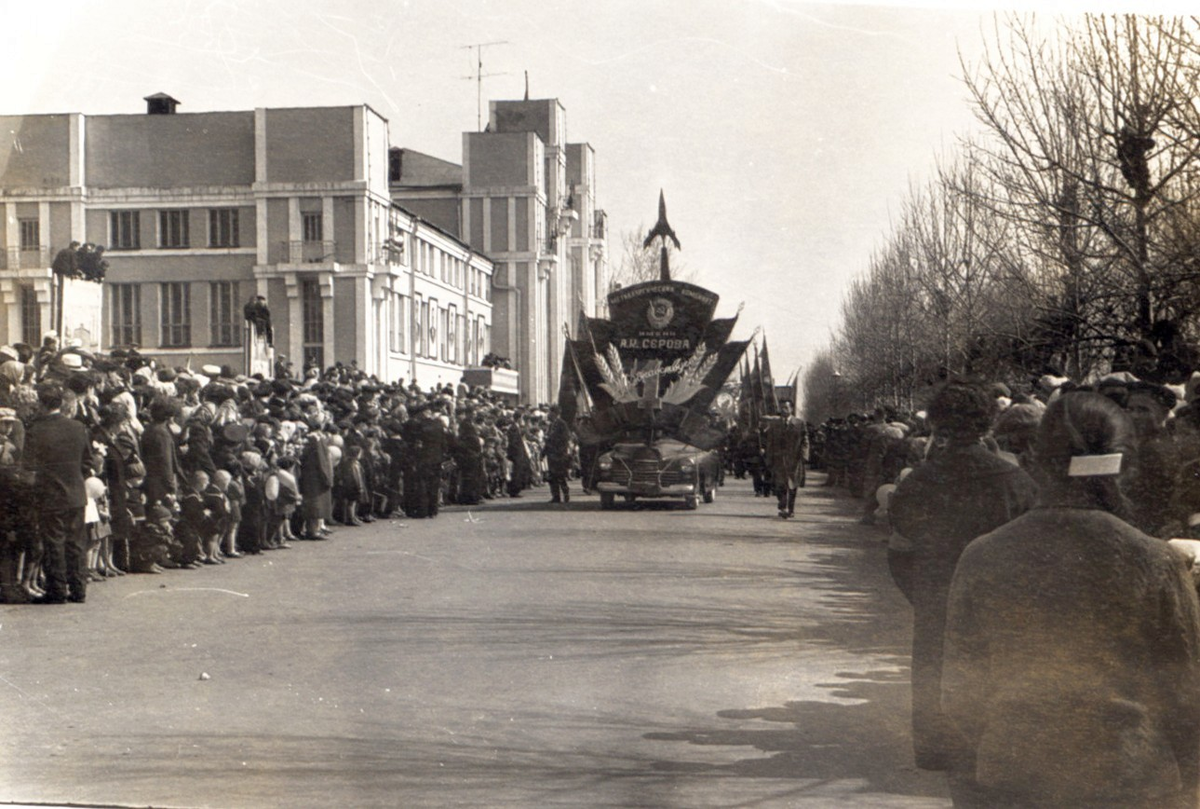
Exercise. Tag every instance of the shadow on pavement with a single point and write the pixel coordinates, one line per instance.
(862, 733)
(866, 742)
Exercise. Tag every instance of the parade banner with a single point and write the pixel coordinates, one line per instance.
(660, 320)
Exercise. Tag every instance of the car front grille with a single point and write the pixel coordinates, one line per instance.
(644, 473)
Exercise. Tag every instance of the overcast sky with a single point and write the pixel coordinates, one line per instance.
(784, 134)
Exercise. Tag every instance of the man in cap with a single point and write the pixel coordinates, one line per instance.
(58, 451)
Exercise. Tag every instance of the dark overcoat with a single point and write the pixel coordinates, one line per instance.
(1072, 665)
(959, 494)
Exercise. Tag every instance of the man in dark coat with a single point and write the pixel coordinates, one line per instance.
(962, 492)
(159, 453)
(469, 452)
(58, 451)
(411, 436)
(557, 451)
(429, 461)
(786, 453)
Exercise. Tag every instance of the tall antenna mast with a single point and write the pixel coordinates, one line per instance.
(480, 76)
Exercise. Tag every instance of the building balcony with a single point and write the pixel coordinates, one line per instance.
(302, 252)
(14, 258)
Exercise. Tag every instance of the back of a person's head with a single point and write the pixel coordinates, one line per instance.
(961, 411)
(1084, 442)
(50, 395)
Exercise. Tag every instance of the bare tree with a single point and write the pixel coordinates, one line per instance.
(1094, 147)
(639, 264)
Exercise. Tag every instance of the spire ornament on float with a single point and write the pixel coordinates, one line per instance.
(662, 230)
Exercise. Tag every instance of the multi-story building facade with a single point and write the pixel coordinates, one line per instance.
(527, 198)
(200, 212)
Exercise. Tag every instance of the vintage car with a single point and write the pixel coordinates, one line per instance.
(665, 468)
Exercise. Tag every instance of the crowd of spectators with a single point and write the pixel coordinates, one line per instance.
(117, 464)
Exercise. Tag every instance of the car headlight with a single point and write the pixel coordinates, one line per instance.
(687, 465)
(605, 463)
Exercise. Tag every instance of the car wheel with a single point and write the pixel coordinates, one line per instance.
(710, 492)
(607, 500)
(629, 498)
(691, 502)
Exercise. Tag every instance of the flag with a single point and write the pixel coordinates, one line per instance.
(727, 359)
(770, 399)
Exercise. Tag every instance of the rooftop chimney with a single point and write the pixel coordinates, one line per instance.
(160, 104)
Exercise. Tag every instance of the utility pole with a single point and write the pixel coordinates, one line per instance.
(480, 76)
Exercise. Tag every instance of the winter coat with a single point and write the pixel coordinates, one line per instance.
(959, 494)
(1072, 666)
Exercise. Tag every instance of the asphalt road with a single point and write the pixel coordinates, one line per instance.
(518, 654)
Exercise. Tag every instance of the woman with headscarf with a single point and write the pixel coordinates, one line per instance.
(1072, 662)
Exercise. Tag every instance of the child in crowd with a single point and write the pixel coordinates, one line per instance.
(151, 546)
(194, 521)
(351, 475)
(235, 493)
(217, 506)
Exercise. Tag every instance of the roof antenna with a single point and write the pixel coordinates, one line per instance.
(480, 76)
(526, 85)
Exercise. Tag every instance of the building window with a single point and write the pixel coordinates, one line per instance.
(223, 227)
(31, 238)
(418, 339)
(429, 338)
(401, 323)
(176, 315)
(126, 314)
(223, 313)
(31, 317)
(173, 229)
(444, 327)
(126, 230)
(312, 312)
(313, 226)
(473, 344)
(396, 323)
(452, 333)
(483, 344)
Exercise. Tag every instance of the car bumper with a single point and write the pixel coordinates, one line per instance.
(647, 490)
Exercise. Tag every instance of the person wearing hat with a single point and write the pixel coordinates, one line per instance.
(1154, 469)
(431, 454)
(557, 452)
(960, 493)
(58, 451)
